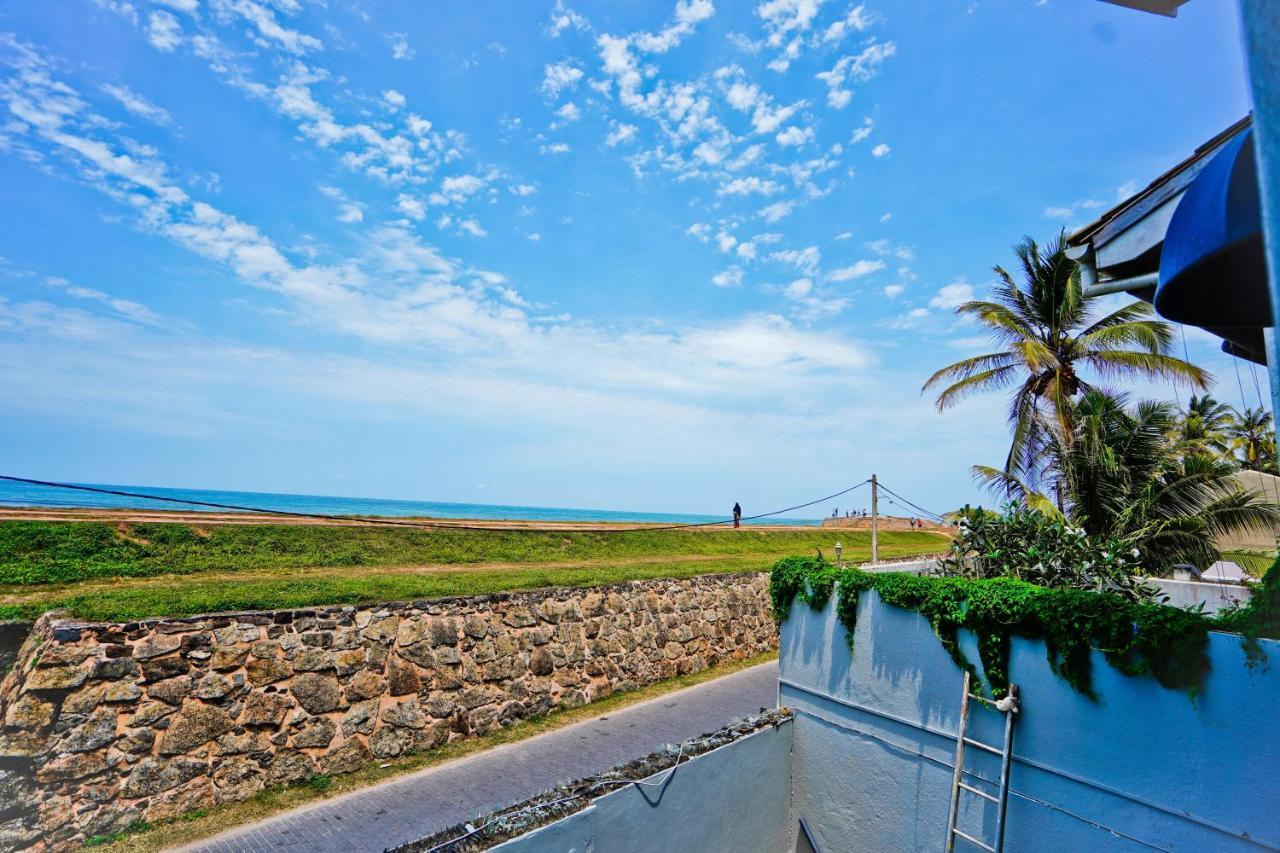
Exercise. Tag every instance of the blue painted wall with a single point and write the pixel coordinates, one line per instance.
(731, 800)
(874, 739)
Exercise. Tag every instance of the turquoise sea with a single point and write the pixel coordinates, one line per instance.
(22, 494)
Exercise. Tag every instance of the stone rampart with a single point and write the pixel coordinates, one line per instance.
(108, 724)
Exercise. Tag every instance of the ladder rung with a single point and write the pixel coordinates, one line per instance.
(980, 745)
(973, 840)
(983, 794)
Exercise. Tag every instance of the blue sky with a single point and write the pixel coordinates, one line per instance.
(645, 256)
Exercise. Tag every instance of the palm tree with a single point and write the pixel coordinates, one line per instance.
(1204, 425)
(1047, 334)
(1252, 436)
(1125, 477)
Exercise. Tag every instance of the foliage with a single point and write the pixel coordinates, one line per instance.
(1125, 477)
(1202, 428)
(1134, 636)
(1259, 618)
(1031, 546)
(1047, 334)
(1253, 438)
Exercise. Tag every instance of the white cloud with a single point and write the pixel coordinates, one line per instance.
(394, 99)
(854, 68)
(270, 31)
(776, 211)
(701, 230)
(181, 5)
(880, 150)
(861, 133)
(126, 308)
(855, 21)
(136, 104)
(806, 260)
(844, 235)
(856, 270)
(800, 287)
(732, 277)
(749, 186)
(747, 250)
(786, 22)
(535, 236)
(560, 77)
(350, 212)
(163, 31)
(725, 241)
(952, 295)
(892, 290)
(400, 48)
(411, 207)
(555, 148)
(688, 14)
(620, 133)
(522, 190)
(472, 227)
(563, 18)
(569, 112)
(457, 189)
(794, 136)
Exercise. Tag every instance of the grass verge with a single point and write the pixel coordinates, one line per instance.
(272, 801)
(127, 599)
(40, 552)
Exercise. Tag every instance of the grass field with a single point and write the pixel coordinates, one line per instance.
(107, 571)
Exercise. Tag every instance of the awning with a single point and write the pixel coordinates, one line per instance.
(1213, 270)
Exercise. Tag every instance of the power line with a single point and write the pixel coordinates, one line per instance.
(928, 513)
(423, 525)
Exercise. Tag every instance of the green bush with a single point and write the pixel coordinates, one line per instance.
(1027, 545)
(1136, 637)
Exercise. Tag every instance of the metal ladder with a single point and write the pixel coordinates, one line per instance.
(957, 779)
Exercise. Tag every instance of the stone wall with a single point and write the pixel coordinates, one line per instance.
(112, 723)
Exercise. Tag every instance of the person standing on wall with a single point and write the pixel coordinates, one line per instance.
(737, 515)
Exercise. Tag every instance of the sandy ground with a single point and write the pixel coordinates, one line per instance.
(139, 516)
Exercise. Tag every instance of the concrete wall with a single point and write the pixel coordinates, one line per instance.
(115, 723)
(1212, 596)
(874, 740)
(731, 800)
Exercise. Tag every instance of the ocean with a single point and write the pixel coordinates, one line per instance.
(22, 494)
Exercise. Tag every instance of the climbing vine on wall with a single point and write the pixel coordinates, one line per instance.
(1135, 637)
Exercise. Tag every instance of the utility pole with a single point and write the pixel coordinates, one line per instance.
(875, 521)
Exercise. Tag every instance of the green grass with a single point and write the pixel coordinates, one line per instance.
(96, 572)
(33, 552)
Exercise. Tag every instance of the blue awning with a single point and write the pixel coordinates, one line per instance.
(1213, 269)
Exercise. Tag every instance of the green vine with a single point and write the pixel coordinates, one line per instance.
(1259, 618)
(1135, 637)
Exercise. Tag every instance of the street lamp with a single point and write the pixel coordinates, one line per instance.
(838, 550)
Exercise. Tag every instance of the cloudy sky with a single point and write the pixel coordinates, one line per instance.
(653, 255)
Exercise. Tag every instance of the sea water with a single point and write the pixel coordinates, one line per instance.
(22, 494)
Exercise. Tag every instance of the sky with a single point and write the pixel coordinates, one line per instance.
(649, 256)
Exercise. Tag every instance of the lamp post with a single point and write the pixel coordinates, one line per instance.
(838, 551)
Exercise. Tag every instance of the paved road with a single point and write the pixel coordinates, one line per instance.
(430, 800)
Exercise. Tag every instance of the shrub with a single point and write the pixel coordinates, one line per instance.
(1028, 545)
